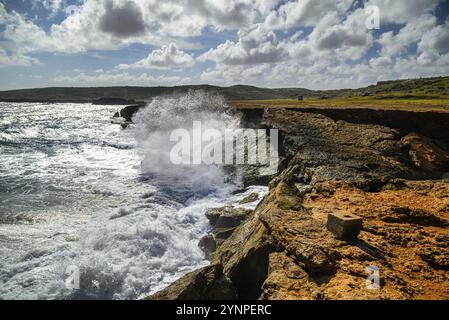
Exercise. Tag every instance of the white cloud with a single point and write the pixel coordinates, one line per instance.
(347, 39)
(308, 43)
(168, 57)
(16, 59)
(436, 40)
(304, 12)
(52, 5)
(255, 45)
(402, 11)
(393, 44)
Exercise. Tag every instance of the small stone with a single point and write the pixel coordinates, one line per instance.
(344, 226)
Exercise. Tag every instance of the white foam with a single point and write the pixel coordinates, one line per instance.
(129, 221)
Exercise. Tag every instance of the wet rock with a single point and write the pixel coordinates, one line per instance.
(128, 112)
(250, 198)
(227, 217)
(208, 244)
(213, 215)
(207, 283)
(230, 221)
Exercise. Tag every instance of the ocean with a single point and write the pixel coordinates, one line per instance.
(80, 193)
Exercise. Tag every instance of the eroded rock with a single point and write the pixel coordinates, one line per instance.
(207, 283)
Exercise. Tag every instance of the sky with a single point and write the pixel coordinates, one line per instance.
(315, 44)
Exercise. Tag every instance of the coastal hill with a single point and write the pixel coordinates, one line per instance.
(416, 89)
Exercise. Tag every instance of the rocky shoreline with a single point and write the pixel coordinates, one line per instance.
(386, 169)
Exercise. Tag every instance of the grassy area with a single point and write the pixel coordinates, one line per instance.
(393, 102)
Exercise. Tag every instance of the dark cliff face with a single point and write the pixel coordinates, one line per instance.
(430, 124)
(374, 164)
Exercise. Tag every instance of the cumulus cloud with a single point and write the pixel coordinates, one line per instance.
(264, 42)
(168, 57)
(402, 11)
(255, 45)
(435, 40)
(393, 44)
(16, 59)
(349, 39)
(304, 12)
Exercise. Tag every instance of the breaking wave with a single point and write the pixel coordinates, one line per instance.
(107, 201)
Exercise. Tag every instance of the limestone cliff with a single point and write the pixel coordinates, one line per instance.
(387, 174)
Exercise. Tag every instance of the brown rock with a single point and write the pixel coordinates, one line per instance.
(207, 283)
(425, 154)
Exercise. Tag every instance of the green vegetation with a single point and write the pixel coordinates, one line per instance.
(430, 94)
(411, 104)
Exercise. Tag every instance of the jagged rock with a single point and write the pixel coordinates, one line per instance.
(284, 251)
(227, 217)
(208, 244)
(250, 198)
(245, 258)
(207, 283)
(426, 155)
(213, 215)
(128, 112)
(231, 221)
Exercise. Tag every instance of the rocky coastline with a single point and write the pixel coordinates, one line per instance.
(384, 166)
